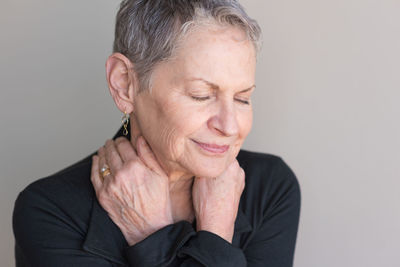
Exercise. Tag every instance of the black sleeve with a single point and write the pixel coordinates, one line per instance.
(273, 242)
(209, 249)
(180, 245)
(45, 237)
(161, 247)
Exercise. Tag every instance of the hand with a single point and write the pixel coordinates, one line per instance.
(136, 192)
(216, 201)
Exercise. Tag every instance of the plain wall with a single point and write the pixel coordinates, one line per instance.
(326, 101)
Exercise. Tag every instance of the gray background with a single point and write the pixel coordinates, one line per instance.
(326, 101)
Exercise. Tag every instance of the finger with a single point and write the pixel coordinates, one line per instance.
(103, 163)
(125, 149)
(235, 163)
(234, 166)
(112, 157)
(147, 156)
(95, 174)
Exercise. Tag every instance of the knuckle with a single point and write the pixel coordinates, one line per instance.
(120, 140)
(242, 175)
(234, 165)
(238, 166)
(119, 144)
(134, 165)
(135, 170)
(243, 186)
(111, 190)
(119, 175)
(112, 154)
(108, 142)
(100, 151)
(102, 198)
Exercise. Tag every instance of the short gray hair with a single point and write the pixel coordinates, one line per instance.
(147, 31)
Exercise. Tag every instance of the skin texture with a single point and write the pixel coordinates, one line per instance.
(169, 117)
(136, 179)
(201, 95)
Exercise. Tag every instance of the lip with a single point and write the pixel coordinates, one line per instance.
(213, 148)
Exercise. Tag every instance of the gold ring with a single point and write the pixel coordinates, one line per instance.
(105, 171)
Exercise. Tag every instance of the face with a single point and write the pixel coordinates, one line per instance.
(198, 112)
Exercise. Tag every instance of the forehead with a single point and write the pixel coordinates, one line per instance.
(216, 54)
(211, 37)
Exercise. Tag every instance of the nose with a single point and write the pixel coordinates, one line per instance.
(225, 122)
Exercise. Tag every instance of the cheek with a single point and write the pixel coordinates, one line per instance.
(177, 124)
(156, 123)
(168, 138)
(245, 121)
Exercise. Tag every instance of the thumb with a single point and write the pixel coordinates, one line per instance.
(147, 156)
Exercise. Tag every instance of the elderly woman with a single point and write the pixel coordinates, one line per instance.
(173, 187)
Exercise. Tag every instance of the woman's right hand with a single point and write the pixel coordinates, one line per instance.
(216, 201)
(136, 192)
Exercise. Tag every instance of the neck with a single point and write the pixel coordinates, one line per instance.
(179, 181)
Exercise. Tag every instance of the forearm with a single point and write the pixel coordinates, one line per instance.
(181, 245)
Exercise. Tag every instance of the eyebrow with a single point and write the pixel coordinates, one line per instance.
(216, 87)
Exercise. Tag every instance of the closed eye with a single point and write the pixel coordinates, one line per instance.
(246, 102)
(200, 98)
(204, 98)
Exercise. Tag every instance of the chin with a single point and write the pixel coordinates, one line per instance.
(208, 165)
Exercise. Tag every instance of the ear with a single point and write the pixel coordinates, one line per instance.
(122, 82)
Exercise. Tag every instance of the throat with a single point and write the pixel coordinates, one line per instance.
(182, 208)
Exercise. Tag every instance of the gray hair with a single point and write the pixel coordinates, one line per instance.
(148, 31)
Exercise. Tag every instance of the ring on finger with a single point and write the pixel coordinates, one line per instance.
(105, 170)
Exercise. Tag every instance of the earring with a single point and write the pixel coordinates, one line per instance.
(125, 121)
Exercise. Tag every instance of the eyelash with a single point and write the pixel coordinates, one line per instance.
(243, 101)
(207, 97)
(197, 98)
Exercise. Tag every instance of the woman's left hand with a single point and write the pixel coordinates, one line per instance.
(216, 201)
(136, 192)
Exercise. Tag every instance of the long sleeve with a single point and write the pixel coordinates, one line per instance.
(178, 245)
(161, 247)
(273, 241)
(44, 237)
(209, 249)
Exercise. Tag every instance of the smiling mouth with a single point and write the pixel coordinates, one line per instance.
(213, 148)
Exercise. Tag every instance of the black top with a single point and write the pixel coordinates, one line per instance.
(58, 221)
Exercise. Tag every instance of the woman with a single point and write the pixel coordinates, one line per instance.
(171, 188)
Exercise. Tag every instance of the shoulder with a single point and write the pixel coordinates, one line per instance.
(72, 181)
(269, 182)
(266, 167)
(63, 199)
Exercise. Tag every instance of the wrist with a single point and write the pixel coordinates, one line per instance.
(134, 237)
(223, 232)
